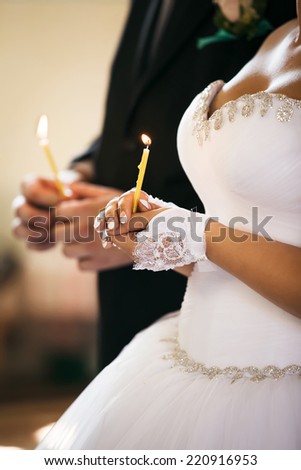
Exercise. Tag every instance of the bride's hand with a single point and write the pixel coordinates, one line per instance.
(117, 223)
(155, 242)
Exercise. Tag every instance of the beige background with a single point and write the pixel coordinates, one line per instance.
(55, 58)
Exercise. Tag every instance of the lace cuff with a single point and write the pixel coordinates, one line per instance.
(173, 238)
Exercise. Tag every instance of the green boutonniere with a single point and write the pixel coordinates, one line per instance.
(250, 14)
(237, 19)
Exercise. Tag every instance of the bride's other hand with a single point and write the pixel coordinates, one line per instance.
(119, 213)
(117, 218)
(118, 225)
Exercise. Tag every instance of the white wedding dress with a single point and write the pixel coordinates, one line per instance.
(224, 372)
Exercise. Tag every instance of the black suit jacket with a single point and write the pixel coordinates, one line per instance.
(152, 99)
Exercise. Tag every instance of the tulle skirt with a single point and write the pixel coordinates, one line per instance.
(143, 400)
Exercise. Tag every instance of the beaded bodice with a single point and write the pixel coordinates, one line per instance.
(246, 159)
(260, 103)
(244, 162)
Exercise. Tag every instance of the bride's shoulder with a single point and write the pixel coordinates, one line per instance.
(276, 68)
(279, 60)
(280, 34)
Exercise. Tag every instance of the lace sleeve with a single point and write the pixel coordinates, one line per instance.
(172, 239)
(167, 252)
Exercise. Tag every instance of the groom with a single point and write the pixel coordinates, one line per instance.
(169, 52)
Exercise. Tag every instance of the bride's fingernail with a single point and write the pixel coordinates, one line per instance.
(110, 225)
(123, 218)
(145, 203)
(106, 243)
(68, 192)
(99, 224)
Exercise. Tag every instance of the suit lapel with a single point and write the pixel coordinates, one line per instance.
(145, 36)
(185, 18)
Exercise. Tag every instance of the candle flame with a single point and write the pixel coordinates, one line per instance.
(146, 140)
(42, 130)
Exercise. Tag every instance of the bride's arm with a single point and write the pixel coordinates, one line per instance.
(271, 268)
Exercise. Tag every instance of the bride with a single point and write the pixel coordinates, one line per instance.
(224, 372)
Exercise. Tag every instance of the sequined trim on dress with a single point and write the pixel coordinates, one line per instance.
(261, 101)
(180, 358)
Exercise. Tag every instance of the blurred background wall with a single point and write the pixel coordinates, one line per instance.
(55, 59)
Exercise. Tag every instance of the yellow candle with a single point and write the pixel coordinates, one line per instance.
(142, 167)
(42, 132)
